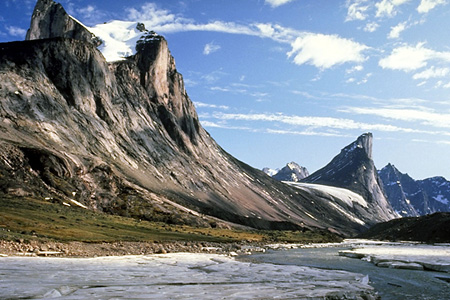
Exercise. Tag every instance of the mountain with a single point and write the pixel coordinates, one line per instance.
(392, 182)
(291, 172)
(124, 138)
(354, 169)
(411, 197)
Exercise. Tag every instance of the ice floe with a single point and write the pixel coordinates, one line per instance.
(403, 255)
(173, 276)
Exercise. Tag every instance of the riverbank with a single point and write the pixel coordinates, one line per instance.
(81, 249)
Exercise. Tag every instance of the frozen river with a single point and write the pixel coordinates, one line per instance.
(171, 276)
(392, 283)
(284, 274)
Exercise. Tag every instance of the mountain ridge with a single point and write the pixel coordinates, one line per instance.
(124, 138)
(412, 198)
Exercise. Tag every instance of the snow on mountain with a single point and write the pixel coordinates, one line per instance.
(291, 172)
(353, 169)
(270, 171)
(339, 199)
(119, 39)
(346, 196)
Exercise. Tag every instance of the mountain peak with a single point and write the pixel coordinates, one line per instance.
(354, 169)
(50, 20)
(364, 142)
(291, 172)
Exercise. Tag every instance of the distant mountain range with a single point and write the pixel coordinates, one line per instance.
(355, 179)
(291, 172)
(411, 197)
(353, 169)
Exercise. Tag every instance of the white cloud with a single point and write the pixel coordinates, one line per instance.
(356, 10)
(86, 11)
(385, 8)
(388, 8)
(408, 58)
(424, 116)
(314, 49)
(211, 48)
(396, 30)
(276, 3)
(354, 69)
(315, 122)
(16, 31)
(207, 105)
(426, 5)
(307, 132)
(152, 14)
(432, 73)
(371, 27)
(88, 15)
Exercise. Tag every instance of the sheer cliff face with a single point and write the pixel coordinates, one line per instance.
(124, 138)
(50, 20)
(354, 169)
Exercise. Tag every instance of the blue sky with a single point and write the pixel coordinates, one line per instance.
(279, 81)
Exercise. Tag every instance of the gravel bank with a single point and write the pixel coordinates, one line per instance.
(80, 249)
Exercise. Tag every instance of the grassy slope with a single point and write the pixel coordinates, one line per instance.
(27, 218)
(434, 228)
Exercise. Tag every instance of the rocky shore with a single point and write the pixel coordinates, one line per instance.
(80, 249)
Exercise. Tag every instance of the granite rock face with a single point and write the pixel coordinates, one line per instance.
(50, 20)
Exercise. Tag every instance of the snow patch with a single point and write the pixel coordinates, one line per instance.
(347, 196)
(119, 39)
(441, 199)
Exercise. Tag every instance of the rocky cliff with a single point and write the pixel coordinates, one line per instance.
(354, 169)
(124, 138)
(50, 20)
(413, 198)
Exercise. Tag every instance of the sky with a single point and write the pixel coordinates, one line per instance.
(276, 81)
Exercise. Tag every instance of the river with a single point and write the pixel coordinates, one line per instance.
(391, 284)
(311, 273)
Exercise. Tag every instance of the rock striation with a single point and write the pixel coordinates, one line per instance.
(354, 169)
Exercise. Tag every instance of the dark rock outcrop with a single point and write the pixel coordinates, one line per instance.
(412, 197)
(354, 169)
